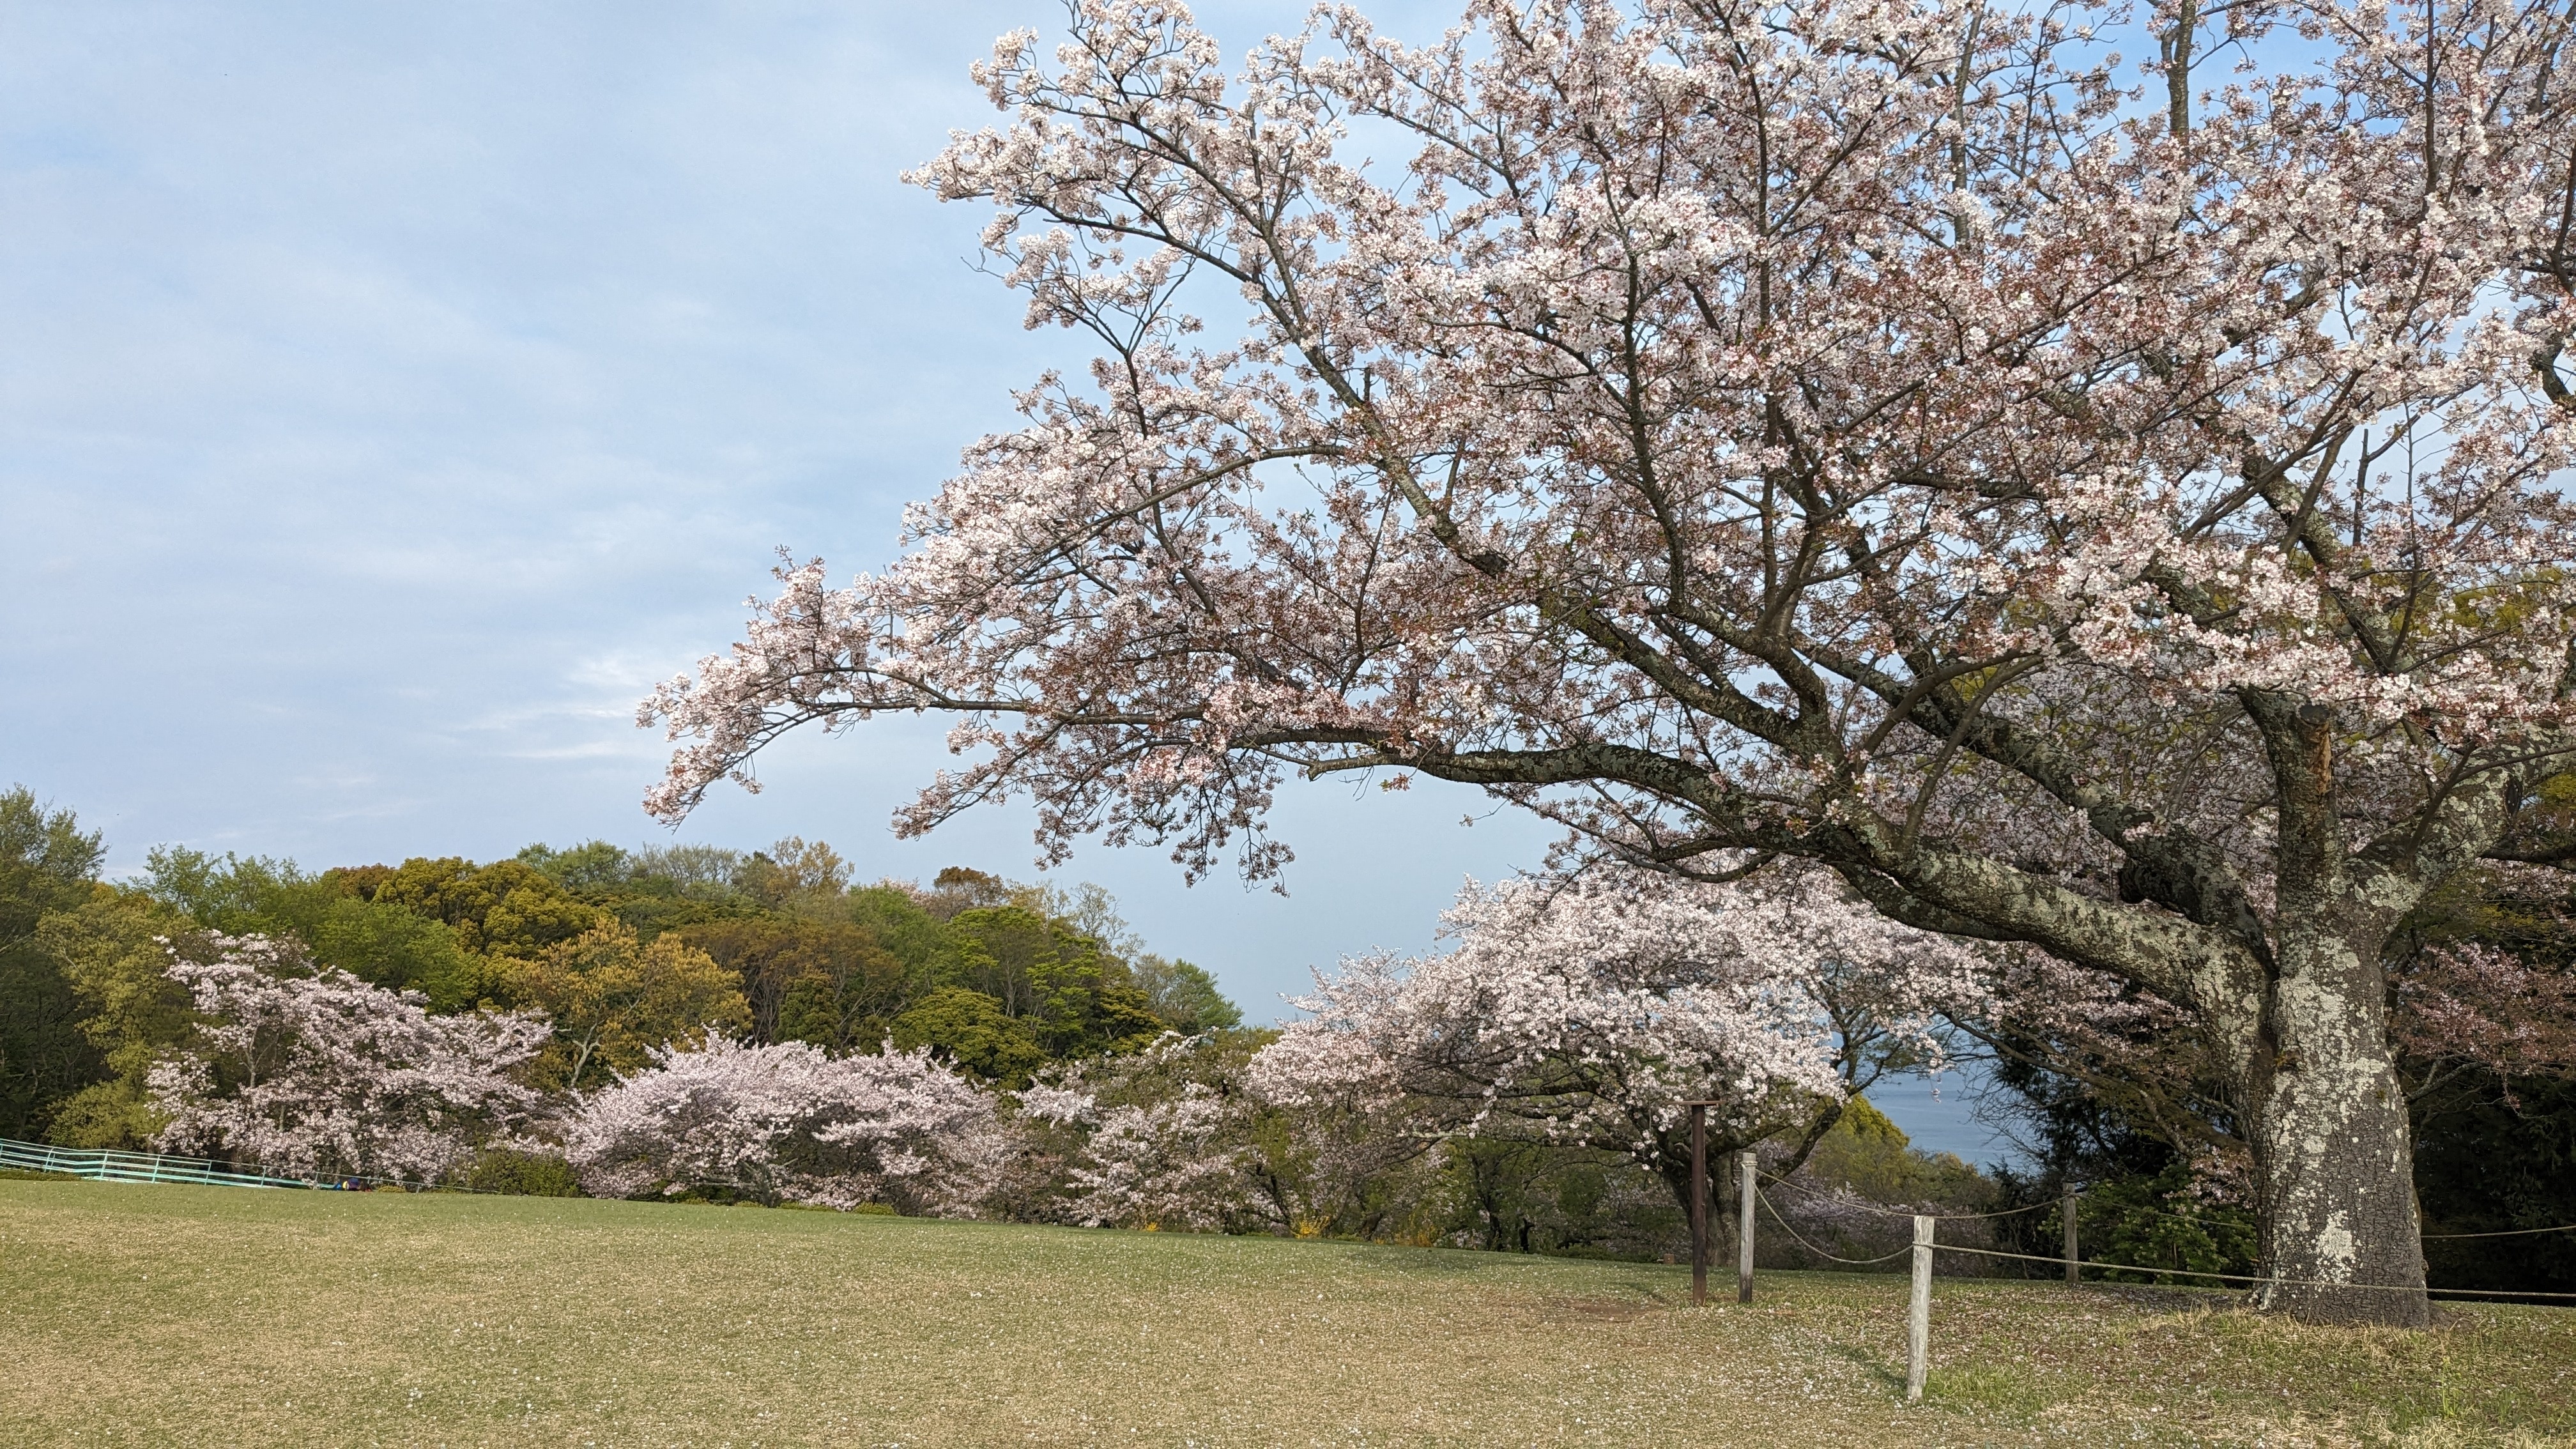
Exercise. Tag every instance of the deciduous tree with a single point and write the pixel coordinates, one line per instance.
(614, 999)
(1182, 995)
(1590, 1012)
(506, 908)
(2117, 517)
(46, 864)
(969, 1029)
(371, 935)
(825, 982)
(312, 1071)
(786, 1123)
(114, 952)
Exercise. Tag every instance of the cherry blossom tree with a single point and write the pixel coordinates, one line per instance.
(788, 1123)
(1589, 1012)
(2465, 1005)
(1181, 1135)
(315, 1073)
(2099, 507)
(1176, 1163)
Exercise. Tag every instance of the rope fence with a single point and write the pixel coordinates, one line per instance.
(1848, 1201)
(1821, 1253)
(2507, 1233)
(2253, 1280)
(1926, 1246)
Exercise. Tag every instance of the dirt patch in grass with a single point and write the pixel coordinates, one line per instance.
(176, 1315)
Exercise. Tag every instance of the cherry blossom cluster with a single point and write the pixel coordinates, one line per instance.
(311, 1072)
(1592, 1010)
(1163, 1139)
(789, 1123)
(2467, 1004)
(1165, 1165)
(2107, 410)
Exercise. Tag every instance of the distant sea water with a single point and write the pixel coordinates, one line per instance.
(1939, 1115)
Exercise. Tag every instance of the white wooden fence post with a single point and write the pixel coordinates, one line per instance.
(1744, 1227)
(1918, 1317)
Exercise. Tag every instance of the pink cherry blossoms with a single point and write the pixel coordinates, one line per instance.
(1588, 1011)
(787, 1123)
(2466, 1004)
(1171, 1164)
(2113, 510)
(312, 1072)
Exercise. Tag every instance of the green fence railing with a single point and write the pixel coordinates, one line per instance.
(103, 1165)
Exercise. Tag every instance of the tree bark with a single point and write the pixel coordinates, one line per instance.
(2333, 1162)
(2333, 1156)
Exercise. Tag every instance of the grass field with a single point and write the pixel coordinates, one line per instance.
(179, 1315)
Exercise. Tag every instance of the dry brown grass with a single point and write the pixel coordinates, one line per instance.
(171, 1315)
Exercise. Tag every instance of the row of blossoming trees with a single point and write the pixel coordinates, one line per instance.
(1581, 1013)
(619, 951)
(1523, 1086)
(305, 1070)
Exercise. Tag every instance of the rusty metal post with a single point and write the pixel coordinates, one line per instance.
(1699, 1203)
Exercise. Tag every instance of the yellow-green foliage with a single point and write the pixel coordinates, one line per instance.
(1872, 1156)
(1074, 996)
(507, 908)
(613, 998)
(969, 1028)
(342, 916)
(110, 950)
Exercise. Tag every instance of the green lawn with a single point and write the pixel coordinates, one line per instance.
(178, 1315)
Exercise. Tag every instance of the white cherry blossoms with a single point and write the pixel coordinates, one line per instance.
(1593, 1010)
(787, 1123)
(312, 1072)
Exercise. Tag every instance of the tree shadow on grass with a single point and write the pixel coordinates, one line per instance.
(1878, 1370)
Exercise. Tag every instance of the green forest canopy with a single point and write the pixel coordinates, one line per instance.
(625, 950)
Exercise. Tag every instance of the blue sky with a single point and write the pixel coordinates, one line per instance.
(391, 394)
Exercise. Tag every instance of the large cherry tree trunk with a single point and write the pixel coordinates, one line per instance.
(2333, 1157)
(2293, 1000)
